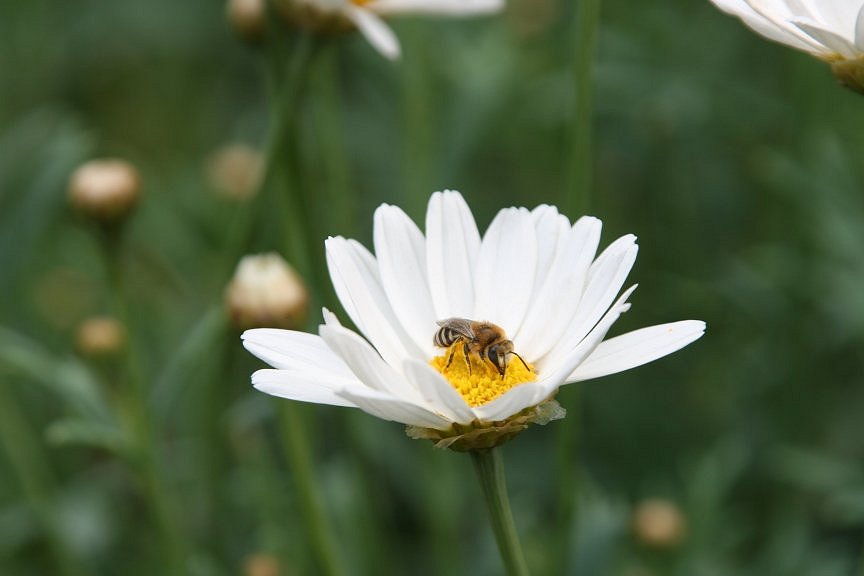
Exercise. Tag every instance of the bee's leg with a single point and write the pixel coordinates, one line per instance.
(467, 360)
(450, 359)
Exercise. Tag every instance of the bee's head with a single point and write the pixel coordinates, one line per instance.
(498, 354)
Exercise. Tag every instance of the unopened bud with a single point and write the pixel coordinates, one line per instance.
(100, 336)
(247, 18)
(659, 523)
(261, 564)
(104, 190)
(235, 171)
(266, 292)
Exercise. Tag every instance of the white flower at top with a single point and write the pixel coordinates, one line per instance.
(832, 30)
(367, 15)
(533, 273)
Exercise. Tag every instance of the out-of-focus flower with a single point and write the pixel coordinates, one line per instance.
(366, 15)
(104, 190)
(659, 523)
(100, 336)
(831, 30)
(266, 291)
(533, 274)
(246, 18)
(235, 171)
(261, 564)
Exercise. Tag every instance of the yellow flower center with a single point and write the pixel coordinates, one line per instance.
(481, 383)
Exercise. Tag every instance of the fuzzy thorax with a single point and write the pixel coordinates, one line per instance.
(481, 383)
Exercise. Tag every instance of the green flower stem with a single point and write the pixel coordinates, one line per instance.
(577, 201)
(288, 75)
(296, 443)
(134, 399)
(567, 487)
(329, 125)
(26, 456)
(417, 109)
(490, 471)
(580, 176)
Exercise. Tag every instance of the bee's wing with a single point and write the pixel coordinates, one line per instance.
(461, 326)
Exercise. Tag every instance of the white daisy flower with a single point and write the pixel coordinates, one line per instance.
(830, 30)
(366, 15)
(533, 274)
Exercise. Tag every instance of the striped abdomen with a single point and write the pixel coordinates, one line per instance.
(453, 330)
(446, 337)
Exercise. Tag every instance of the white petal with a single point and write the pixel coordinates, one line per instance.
(836, 16)
(514, 400)
(605, 278)
(636, 348)
(550, 230)
(358, 286)
(288, 349)
(831, 40)
(374, 30)
(366, 364)
(859, 30)
(554, 306)
(388, 408)
(452, 246)
(401, 252)
(556, 375)
(505, 270)
(304, 386)
(438, 393)
(436, 7)
(776, 29)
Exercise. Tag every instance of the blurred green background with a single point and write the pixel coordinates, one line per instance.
(735, 161)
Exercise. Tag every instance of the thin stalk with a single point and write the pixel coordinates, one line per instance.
(296, 443)
(331, 134)
(577, 201)
(418, 133)
(329, 182)
(490, 471)
(134, 399)
(27, 459)
(566, 477)
(861, 561)
(580, 175)
(288, 79)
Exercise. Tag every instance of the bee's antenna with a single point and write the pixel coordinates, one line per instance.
(521, 360)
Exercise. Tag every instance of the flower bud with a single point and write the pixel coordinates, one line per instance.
(266, 292)
(247, 18)
(104, 190)
(659, 523)
(235, 171)
(100, 336)
(261, 564)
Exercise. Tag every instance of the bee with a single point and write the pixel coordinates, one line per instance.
(486, 340)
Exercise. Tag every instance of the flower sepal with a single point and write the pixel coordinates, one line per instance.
(484, 435)
(850, 73)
